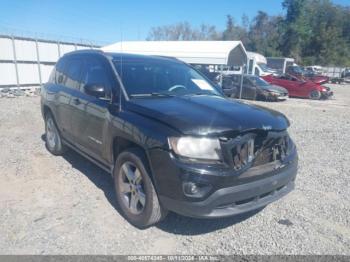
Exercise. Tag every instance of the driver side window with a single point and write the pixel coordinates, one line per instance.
(96, 73)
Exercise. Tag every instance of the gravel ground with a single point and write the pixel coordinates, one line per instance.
(65, 205)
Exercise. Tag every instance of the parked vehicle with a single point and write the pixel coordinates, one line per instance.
(169, 137)
(280, 64)
(298, 72)
(257, 65)
(317, 70)
(334, 73)
(254, 88)
(345, 76)
(300, 87)
(346, 73)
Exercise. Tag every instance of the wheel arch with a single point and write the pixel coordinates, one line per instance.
(47, 109)
(121, 144)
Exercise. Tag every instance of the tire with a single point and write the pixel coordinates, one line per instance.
(135, 193)
(53, 141)
(315, 95)
(255, 96)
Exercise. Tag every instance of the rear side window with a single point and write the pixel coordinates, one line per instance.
(73, 72)
(256, 72)
(58, 73)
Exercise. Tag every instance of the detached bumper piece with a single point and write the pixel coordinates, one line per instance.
(328, 93)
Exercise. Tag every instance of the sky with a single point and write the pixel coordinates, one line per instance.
(108, 21)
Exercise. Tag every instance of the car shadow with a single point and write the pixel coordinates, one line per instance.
(181, 225)
(95, 174)
(173, 223)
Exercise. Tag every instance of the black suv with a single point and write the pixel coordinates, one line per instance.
(168, 136)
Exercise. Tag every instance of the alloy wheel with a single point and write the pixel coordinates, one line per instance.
(131, 188)
(51, 133)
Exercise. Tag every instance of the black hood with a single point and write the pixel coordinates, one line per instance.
(202, 115)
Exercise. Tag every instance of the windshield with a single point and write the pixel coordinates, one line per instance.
(264, 67)
(144, 77)
(297, 70)
(257, 81)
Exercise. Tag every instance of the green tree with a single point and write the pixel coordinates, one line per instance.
(264, 34)
(316, 32)
(183, 31)
(294, 28)
(311, 31)
(235, 32)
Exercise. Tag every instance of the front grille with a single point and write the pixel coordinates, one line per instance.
(271, 149)
(252, 149)
(242, 154)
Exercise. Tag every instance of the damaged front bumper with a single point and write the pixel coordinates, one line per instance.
(327, 94)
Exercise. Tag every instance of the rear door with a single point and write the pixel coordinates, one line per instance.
(68, 72)
(90, 118)
(249, 90)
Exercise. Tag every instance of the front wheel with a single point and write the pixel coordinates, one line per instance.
(134, 189)
(315, 95)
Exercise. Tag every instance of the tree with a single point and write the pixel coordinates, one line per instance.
(235, 32)
(294, 28)
(311, 31)
(315, 32)
(264, 34)
(183, 31)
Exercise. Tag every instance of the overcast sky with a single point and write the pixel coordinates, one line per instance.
(110, 21)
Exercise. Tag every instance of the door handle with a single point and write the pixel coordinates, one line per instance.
(76, 101)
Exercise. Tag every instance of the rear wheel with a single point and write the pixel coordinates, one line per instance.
(315, 95)
(53, 139)
(135, 192)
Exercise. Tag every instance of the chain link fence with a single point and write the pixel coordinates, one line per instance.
(26, 62)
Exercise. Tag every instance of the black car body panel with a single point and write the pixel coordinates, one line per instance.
(101, 127)
(221, 115)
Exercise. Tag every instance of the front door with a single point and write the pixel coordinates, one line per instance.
(90, 118)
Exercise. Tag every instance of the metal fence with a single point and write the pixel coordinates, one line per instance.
(27, 62)
(333, 72)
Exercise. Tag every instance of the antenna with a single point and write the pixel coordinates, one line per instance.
(121, 64)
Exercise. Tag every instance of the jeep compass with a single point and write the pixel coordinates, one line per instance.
(167, 135)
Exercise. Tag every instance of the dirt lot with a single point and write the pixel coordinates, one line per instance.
(65, 205)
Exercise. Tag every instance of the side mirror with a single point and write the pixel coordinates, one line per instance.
(95, 90)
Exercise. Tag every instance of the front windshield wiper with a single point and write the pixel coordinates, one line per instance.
(156, 94)
(202, 94)
(153, 94)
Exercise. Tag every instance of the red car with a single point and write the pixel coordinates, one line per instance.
(298, 72)
(299, 87)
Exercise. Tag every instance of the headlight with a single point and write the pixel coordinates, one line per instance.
(193, 147)
(274, 93)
